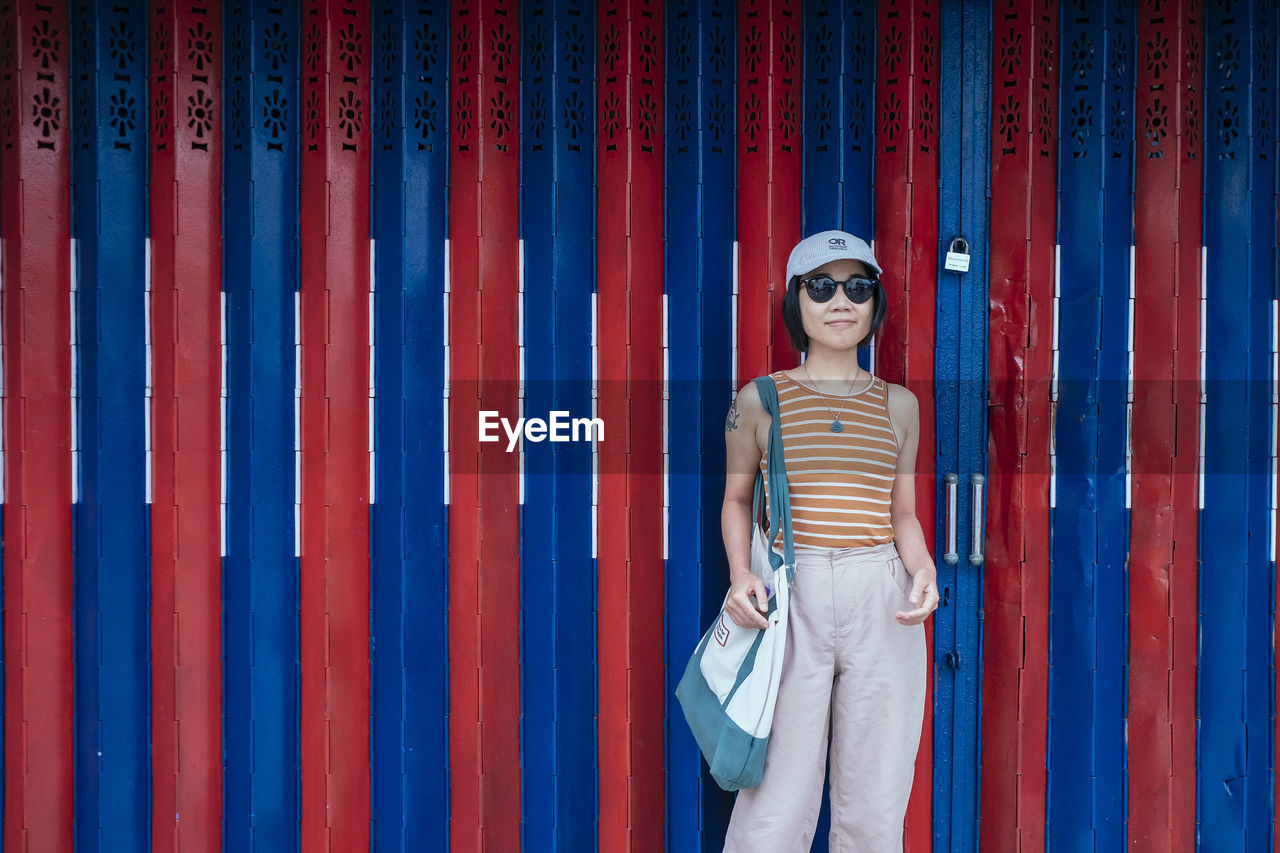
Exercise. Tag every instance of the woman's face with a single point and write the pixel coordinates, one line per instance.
(838, 323)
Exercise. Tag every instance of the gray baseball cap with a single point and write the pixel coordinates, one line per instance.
(817, 249)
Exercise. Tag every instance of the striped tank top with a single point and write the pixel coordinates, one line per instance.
(839, 482)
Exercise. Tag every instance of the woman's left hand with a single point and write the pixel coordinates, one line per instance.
(924, 592)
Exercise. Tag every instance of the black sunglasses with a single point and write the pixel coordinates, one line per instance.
(858, 288)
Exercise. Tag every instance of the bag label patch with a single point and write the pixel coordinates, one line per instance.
(722, 631)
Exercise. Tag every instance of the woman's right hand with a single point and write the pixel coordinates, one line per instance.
(748, 602)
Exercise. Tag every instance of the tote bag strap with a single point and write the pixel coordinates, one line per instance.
(779, 498)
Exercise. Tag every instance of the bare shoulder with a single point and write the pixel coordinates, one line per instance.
(746, 429)
(902, 399)
(904, 408)
(748, 400)
(747, 411)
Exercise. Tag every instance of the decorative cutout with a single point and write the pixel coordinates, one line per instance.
(84, 122)
(752, 116)
(575, 115)
(612, 115)
(789, 49)
(46, 112)
(648, 50)
(425, 110)
(8, 46)
(8, 121)
(1045, 119)
(1046, 51)
(1157, 56)
(1010, 122)
(159, 130)
(754, 49)
(1263, 80)
(925, 120)
(84, 39)
(538, 48)
(788, 117)
(857, 120)
(1262, 128)
(275, 44)
(575, 49)
(236, 57)
(822, 50)
(1156, 127)
(387, 111)
(537, 114)
(275, 113)
(351, 48)
(160, 46)
(392, 55)
(647, 116)
(500, 113)
(1262, 51)
(122, 45)
(313, 115)
(1082, 57)
(350, 117)
(718, 117)
(892, 54)
(928, 51)
(822, 115)
(1011, 53)
(684, 117)
(500, 50)
(81, 51)
(200, 41)
(46, 43)
(1192, 132)
(1119, 122)
(1228, 128)
(891, 120)
(1228, 57)
(1119, 56)
(858, 53)
(612, 48)
(1191, 127)
(683, 44)
(389, 49)
(237, 114)
(313, 48)
(462, 49)
(1081, 128)
(426, 51)
(719, 53)
(200, 117)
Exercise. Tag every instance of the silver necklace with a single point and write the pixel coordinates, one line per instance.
(836, 426)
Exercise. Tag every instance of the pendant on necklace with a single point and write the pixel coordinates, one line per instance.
(836, 426)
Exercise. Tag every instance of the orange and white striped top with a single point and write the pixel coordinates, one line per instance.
(839, 482)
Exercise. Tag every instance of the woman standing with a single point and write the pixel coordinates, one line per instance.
(853, 678)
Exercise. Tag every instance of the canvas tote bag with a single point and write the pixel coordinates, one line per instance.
(730, 684)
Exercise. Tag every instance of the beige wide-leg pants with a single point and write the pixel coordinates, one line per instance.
(852, 677)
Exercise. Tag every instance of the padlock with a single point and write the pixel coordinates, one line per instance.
(958, 255)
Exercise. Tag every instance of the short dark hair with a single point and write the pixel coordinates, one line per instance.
(795, 323)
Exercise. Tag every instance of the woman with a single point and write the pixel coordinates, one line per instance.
(853, 678)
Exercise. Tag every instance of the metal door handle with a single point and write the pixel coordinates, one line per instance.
(975, 506)
(952, 481)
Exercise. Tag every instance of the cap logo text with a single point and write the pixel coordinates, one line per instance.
(837, 243)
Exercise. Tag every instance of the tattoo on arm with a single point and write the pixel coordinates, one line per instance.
(731, 421)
